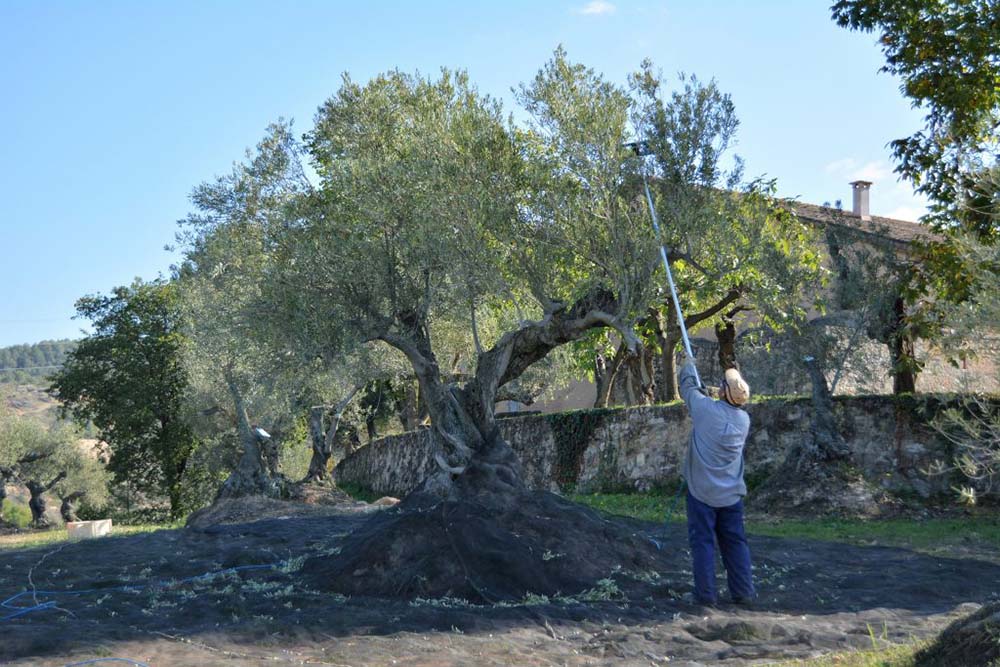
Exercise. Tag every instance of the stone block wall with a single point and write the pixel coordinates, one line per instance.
(638, 449)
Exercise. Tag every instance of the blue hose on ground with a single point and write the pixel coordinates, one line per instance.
(671, 508)
(159, 583)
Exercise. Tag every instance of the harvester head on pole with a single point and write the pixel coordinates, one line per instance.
(640, 148)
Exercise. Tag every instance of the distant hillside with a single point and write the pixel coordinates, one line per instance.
(28, 400)
(32, 364)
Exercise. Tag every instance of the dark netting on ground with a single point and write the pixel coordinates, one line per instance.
(541, 544)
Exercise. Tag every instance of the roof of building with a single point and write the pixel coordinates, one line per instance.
(902, 231)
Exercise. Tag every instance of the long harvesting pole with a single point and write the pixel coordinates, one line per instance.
(670, 277)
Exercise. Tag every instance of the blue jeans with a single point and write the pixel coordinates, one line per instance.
(705, 525)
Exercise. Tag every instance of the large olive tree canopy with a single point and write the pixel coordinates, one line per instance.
(432, 203)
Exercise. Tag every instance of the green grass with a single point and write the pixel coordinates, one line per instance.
(359, 492)
(41, 538)
(901, 655)
(939, 536)
(643, 506)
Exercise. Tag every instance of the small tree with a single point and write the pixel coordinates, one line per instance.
(229, 250)
(22, 443)
(49, 457)
(128, 380)
(86, 480)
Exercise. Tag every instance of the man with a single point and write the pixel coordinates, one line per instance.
(713, 469)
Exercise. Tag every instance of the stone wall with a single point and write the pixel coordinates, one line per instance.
(642, 448)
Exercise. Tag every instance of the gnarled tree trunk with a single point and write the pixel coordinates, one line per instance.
(902, 351)
(473, 529)
(408, 409)
(725, 333)
(37, 503)
(668, 336)
(323, 441)
(9, 474)
(67, 509)
(605, 373)
(634, 382)
(817, 475)
(254, 474)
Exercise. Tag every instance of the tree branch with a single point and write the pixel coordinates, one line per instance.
(730, 297)
(58, 478)
(517, 350)
(31, 457)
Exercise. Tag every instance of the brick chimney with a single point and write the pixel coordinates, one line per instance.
(861, 199)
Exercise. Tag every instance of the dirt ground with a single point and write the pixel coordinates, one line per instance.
(135, 601)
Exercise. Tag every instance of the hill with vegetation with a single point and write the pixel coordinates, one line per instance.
(24, 375)
(32, 363)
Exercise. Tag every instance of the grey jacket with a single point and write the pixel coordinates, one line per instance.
(713, 466)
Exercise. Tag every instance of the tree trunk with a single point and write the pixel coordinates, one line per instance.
(348, 438)
(633, 384)
(827, 443)
(609, 373)
(6, 474)
(320, 460)
(323, 441)
(668, 336)
(174, 490)
(253, 475)
(67, 508)
(902, 352)
(174, 470)
(409, 407)
(725, 332)
(37, 503)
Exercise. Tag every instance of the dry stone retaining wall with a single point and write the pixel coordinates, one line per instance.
(642, 448)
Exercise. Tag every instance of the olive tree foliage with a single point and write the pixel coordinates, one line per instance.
(733, 247)
(256, 347)
(434, 207)
(43, 459)
(229, 254)
(973, 427)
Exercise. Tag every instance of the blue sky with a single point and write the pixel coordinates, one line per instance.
(112, 111)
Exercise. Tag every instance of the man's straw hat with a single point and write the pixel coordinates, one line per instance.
(735, 388)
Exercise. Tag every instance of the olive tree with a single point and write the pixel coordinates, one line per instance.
(229, 252)
(431, 203)
(432, 207)
(86, 478)
(45, 459)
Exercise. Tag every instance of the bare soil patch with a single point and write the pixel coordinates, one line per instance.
(816, 597)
